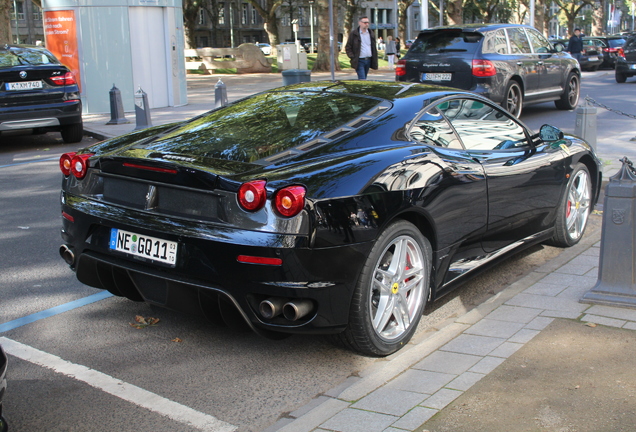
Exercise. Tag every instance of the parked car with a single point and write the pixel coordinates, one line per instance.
(38, 92)
(265, 47)
(3, 387)
(322, 207)
(591, 57)
(511, 64)
(610, 46)
(626, 60)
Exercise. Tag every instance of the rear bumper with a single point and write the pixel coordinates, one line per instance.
(53, 115)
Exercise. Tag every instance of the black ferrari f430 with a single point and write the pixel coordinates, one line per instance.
(326, 207)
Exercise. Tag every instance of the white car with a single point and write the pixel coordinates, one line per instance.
(265, 47)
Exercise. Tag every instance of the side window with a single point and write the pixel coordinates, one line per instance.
(518, 41)
(539, 43)
(432, 128)
(483, 127)
(495, 42)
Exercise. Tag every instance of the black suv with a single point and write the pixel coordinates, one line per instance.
(610, 46)
(38, 92)
(626, 60)
(511, 64)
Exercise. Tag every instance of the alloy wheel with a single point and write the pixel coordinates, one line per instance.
(578, 205)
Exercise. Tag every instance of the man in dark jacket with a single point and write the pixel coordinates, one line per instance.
(362, 49)
(575, 45)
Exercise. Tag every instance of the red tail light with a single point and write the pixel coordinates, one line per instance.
(80, 165)
(621, 52)
(611, 50)
(65, 163)
(67, 79)
(252, 195)
(484, 68)
(259, 260)
(400, 68)
(290, 200)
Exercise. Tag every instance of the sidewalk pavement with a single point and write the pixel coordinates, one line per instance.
(508, 364)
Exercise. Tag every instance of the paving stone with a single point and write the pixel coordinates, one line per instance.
(354, 420)
(415, 418)
(544, 289)
(506, 349)
(308, 407)
(441, 398)
(574, 269)
(523, 336)
(316, 416)
(419, 381)
(539, 323)
(613, 312)
(447, 362)
(610, 322)
(630, 326)
(561, 314)
(487, 365)
(495, 328)
(514, 314)
(573, 293)
(335, 392)
(546, 303)
(567, 280)
(392, 429)
(465, 381)
(586, 259)
(470, 317)
(390, 401)
(473, 344)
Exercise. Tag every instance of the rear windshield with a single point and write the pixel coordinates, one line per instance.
(446, 41)
(615, 43)
(16, 56)
(263, 125)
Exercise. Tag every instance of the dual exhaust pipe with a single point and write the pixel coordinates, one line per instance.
(292, 310)
(67, 255)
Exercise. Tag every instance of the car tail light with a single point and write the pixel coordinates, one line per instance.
(290, 200)
(621, 52)
(67, 79)
(80, 165)
(65, 163)
(400, 68)
(252, 195)
(259, 260)
(484, 68)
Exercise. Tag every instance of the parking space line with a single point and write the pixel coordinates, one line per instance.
(10, 325)
(118, 388)
(29, 162)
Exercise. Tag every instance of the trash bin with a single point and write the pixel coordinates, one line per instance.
(295, 76)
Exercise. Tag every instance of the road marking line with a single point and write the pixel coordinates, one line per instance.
(29, 162)
(10, 325)
(118, 388)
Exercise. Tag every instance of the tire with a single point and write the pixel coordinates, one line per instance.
(570, 96)
(73, 133)
(574, 209)
(513, 99)
(391, 293)
(620, 78)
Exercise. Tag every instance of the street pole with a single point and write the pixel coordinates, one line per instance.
(441, 12)
(331, 53)
(17, 30)
(231, 27)
(424, 14)
(311, 24)
(531, 13)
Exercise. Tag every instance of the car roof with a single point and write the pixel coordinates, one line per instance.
(475, 27)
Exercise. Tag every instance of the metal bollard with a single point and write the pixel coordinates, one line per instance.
(616, 284)
(116, 107)
(585, 125)
(142, 110)
(220, 94)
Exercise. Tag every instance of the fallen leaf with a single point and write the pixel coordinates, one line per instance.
(144, 322)
(590, 324)
(152, 321)
(140, 319)
(177, 340)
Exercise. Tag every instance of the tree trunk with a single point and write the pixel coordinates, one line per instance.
(270, 21)
(190, 15)
(539, 13)
(323, 60)
(455, 12)
(403, 7)
(351, 7)
(598, 18)
(5, 22)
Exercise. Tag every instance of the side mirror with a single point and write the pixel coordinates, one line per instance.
(549, 133)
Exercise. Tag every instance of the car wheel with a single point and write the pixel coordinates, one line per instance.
(620, 78)
(574, 209)
(73, 133)
(391, 293)
(513, 102)
(570, 96)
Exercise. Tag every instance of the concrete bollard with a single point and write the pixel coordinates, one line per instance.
(116, 107)
(585, 125)
(142, 110)
(616, 284)
(220, 94)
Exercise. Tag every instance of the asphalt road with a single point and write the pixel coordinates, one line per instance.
(183, 374)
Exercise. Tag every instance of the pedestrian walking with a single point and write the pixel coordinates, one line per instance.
(575, 45)
(362, 49)
(390, 51)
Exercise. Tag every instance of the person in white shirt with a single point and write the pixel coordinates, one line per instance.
(362, 49)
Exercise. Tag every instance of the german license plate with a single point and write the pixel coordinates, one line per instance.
(436, 76)
(148, 247)
(25, 85)
(592, 58)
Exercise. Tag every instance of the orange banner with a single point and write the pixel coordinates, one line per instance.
(61, 39)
